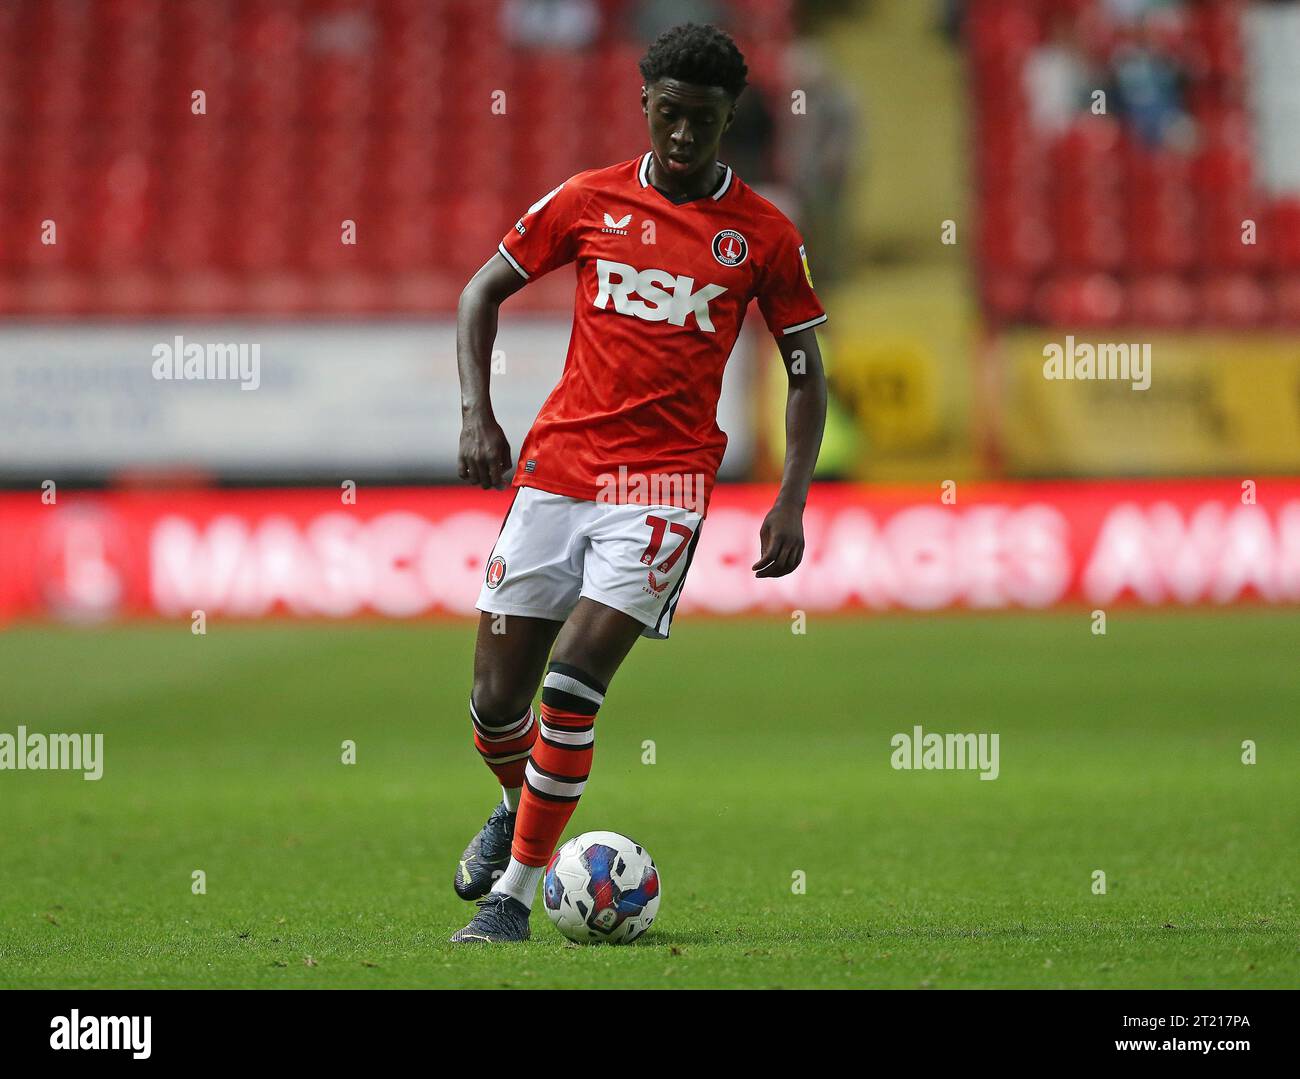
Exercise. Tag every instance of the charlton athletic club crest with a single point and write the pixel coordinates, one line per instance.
(730, 247)
(495, 571)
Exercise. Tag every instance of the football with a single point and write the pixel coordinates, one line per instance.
(601, 888)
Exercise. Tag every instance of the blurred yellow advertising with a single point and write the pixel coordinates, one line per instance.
(1216, 403)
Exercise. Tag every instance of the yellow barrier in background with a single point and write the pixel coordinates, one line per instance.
(1217, 403)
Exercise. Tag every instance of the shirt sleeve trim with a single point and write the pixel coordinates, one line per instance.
(501, 247)
(803, 325)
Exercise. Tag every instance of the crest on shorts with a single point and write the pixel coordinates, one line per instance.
(495, 571)
(730, 247)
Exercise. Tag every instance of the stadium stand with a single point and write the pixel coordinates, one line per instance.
(314, 112)
(1131, 212)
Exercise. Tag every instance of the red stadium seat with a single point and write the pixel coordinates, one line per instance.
(1100, 225)
(1286, 299)
(1080, 299)
(1161, 300)
(1236, 300)
(385, 112)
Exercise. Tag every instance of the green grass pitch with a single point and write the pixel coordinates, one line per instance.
(1119, 753)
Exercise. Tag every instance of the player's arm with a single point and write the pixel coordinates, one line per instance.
(485, 456)
(781, 536)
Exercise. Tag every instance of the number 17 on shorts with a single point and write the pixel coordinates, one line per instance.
(554, 549)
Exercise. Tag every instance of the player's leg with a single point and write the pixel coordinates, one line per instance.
(594, 641)
(591, 646)
(509, 657)
(531, 582)
(633, 567)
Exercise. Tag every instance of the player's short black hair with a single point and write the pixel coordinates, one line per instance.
(698, 54)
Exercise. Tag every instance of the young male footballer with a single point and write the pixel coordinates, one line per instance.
(613, 480)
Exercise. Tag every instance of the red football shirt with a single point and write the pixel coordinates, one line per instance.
(662, 289)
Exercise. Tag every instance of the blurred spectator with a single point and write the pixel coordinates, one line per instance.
(652, 17)
(1055, 82)
(747, 145)
(1132, 11)
(1148, 92)
(1143, 84)
(558, 24)
(820, 151)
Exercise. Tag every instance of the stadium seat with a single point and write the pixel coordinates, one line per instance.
(1105, 220)
(385, 112)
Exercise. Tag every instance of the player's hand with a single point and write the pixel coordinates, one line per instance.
(485, 457)
(781, 540)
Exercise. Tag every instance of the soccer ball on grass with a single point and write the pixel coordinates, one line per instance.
(601, 888)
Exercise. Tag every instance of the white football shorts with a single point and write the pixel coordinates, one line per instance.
(553, 549)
